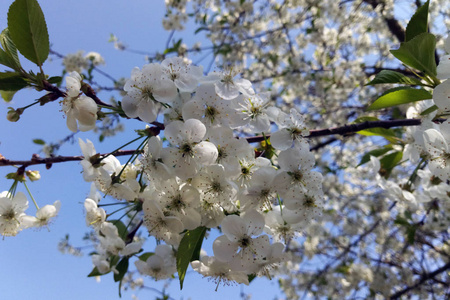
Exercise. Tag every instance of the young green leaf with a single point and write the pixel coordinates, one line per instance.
(28, 30)
(388, 134)
(411, 233)
(8, 55)
(429, 110)
(376, 153)
(55, 80)
(399, 95)
(11, 81)
(365, 119)
(418, 23)
(95, 273)
(7, 96)
(189, 250)
(388, 76)
(39, 142)
(418, 53)
(145, 256)
(389, 161)
(122, 268)
(121, 228)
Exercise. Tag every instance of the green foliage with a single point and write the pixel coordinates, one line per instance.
(28, 30)
(11, 81)
(388, 134)
(418, 53)
(95, 273)
(122, 268)
(121, 228)
(376, 153)
(174, 48)
(410, 228)
(39, 142)
(8, 55)
(418, 23)
(251, 277)
(145, 256)
(429, 110)
(7, 96)
(365, 119)
(399, 95)
(388, 76)
(189, 250)
(55, 80)
(388, 163)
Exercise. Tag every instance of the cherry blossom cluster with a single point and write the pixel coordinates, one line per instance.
(78, 62)
(202, 174)
(13, 218)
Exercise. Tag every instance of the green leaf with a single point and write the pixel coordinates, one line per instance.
(145, 256)
(121, 228)
(376, 153)
(388, 76)
(7, 95)
(122, 268)
(8, 56)
(365, 119)
(411, 233)
(251, 277)
(429, 110)
(189, 250)
(388, 134)
(408, 214)
(418, 23)
(389, 161)
(26, 23)
(39, 142)
(399, 95)
(95, 272)
(11, 81)
(200, 29)
(401, 221)
(114, 259)
(418, 53)
(55, 80)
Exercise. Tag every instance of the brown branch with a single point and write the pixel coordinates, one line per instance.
(36, 160)
(425, 277)
(393, 24)
(351, 128)
(343, 130)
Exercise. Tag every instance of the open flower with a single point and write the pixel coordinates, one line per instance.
(228, 87)
(160, 265)
(162, 227)
(146, 90)
(12, 212)
(190, 152)
(78, 107)
(43, 215)
(185, 76)
(292, 128)
(238, 246)
(438, 146)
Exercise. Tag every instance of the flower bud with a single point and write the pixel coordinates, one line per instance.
(33, 175)
(17, 176)
(13, 115)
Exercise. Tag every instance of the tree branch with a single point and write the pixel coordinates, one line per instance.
(36, 160)
(343, 130)
(425, 277)
(351, 128)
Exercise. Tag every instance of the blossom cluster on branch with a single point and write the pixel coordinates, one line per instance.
(280, 207)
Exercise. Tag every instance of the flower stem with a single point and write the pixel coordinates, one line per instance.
(31, 196)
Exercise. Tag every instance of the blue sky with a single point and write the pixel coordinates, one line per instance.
(31, 267)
